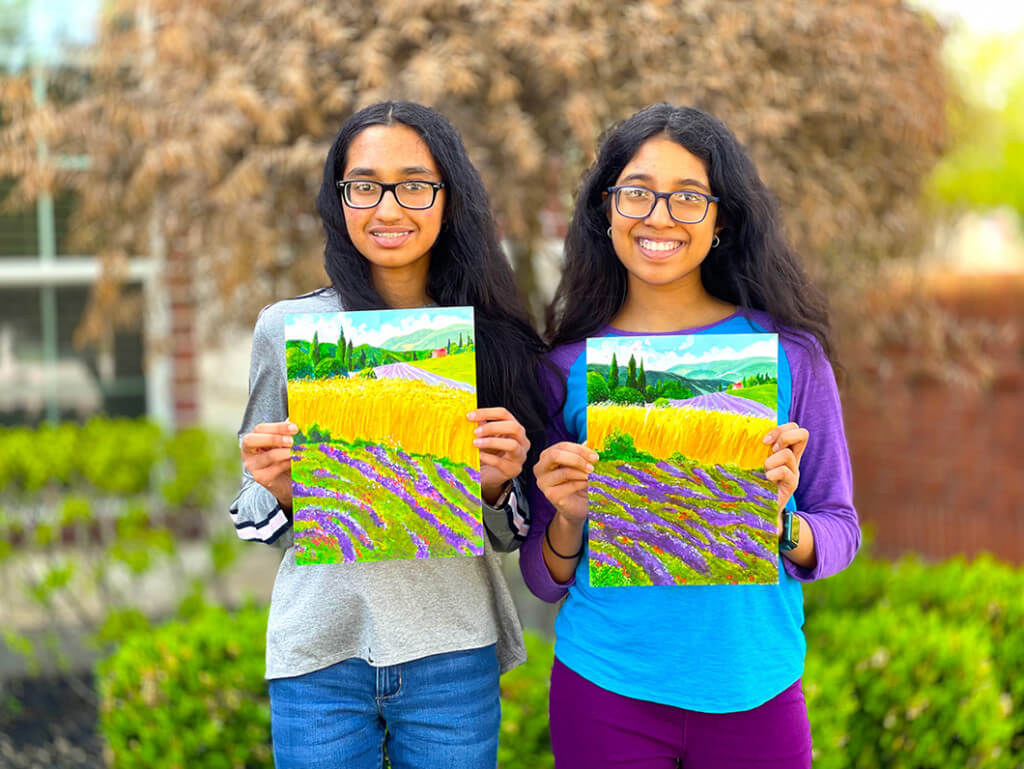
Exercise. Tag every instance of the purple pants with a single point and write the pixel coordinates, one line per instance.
(592, 728)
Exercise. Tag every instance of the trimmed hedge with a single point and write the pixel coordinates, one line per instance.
(909, 666)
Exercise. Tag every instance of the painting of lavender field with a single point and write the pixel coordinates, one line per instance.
(383, 466)
(679, 495)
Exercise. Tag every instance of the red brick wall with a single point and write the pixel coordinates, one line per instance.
(939, 469)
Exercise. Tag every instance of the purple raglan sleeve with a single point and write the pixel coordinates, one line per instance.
(531, 556)
(824, 496)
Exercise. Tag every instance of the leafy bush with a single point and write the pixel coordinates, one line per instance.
(619, 446)
(300, 366)
(329, 367)
(625, 394)
(91, 509)
(983, 593)
(904, 689)
(525, 741)
(191, 694)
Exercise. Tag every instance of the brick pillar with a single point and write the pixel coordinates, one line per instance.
(183, 345)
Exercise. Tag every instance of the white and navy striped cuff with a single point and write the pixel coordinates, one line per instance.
(267, 530)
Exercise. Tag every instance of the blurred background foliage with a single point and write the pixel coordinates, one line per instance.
(207, 122)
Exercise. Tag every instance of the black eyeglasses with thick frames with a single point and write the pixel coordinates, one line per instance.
(415, 195)
(684, 206)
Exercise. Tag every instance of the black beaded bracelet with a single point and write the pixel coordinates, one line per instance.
(547, 538)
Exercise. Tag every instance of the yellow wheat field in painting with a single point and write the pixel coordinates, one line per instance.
(416, 416)
(710, 437)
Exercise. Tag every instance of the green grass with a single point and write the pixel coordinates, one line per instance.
(460, 367)
(768, 394)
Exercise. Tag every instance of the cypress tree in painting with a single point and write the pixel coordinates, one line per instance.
(613, 374)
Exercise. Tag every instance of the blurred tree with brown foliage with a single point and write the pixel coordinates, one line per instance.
(208, 121)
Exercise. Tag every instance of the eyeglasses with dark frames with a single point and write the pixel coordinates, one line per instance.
(684, 206)
(414, 195)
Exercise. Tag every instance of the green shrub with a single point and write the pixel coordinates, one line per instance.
(620, 446)
(329, 367)
(625, 395)
(525, 741)
(905, 689)
(299, 364)
(597, 388)
(983, 593)
(189, 695)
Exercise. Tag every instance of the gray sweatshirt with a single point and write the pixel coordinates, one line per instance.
(384, 612)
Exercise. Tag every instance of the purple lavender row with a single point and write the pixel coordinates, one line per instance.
(449, 477)
(381, 455)
(683, 545)
(649, 487)
(752, 487)
(648, 562)
(301, 490)
(331, 528)
(644, 516)
(670, 494)
(312, 513)
(750, 545)
(426, 487)
(455, 540)
(422, 548)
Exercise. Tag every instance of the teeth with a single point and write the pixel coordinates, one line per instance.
(390, 234)
(659, 245)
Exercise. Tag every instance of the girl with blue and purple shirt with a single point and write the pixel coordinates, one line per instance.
(674, 233)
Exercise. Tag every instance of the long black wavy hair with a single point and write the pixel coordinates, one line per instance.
(753, 266)
(467, 265)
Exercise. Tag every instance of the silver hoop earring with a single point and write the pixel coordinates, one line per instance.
(715, 241)
(609, 230)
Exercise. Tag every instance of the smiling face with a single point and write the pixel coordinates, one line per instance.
(657, 250)
(396, 241)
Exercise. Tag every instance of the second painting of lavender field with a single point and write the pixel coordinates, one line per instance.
(679, 495)
(384, 465)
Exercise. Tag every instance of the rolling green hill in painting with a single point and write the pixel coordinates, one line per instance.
(430, 339)
(729, 370)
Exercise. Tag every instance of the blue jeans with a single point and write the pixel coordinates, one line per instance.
(439, 712)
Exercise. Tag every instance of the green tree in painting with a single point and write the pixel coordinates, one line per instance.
(339, 351)
(299, 364)
(631, 373)
(650, 394)
(597, 388)
(315, 352)
(362, 360)
(348, 356)
(642, 378)
(613, 374)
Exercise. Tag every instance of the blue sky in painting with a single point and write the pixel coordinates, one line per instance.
(374, 326)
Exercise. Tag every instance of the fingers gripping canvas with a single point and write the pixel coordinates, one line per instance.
(679, 495)
(383, 466)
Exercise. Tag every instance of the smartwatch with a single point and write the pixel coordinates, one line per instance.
(790, 531)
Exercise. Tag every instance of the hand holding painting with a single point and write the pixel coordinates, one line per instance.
(267, 456)
(503, 447)
(788, 442)
(561, 472)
